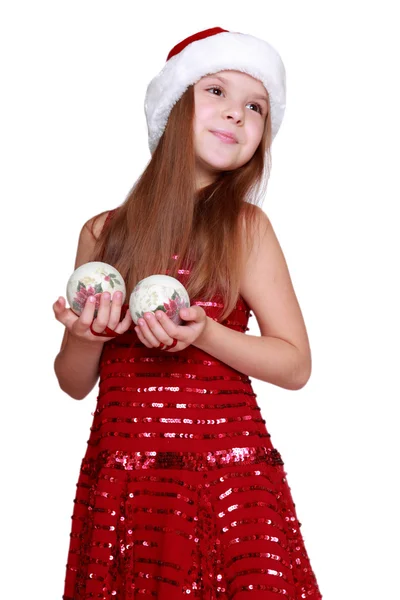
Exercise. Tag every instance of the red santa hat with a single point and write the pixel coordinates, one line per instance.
(208, 52)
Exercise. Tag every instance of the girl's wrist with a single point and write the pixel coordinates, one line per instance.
(79, 342)
(203, 337)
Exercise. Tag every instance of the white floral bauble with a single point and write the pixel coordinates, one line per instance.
(158, 292)
(91, 279)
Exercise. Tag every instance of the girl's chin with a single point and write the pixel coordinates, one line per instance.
(217, 165)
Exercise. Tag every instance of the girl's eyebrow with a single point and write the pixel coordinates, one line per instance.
(226, 82)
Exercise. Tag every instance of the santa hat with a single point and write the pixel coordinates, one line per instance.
(208, 52)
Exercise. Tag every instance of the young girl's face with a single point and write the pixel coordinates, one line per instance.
(230, 113)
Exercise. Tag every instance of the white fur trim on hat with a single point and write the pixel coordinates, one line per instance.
(224, 51)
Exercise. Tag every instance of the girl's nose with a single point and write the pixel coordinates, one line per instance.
(234, 113)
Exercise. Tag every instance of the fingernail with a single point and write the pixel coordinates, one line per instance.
(184, 312)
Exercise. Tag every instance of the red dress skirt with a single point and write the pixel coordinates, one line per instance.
(181, 492)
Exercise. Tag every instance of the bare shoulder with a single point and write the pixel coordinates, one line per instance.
(88, 236)
(267, 287)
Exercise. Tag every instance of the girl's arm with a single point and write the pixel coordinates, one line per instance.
(281, 355)
(266, 358)
(77, 364)
(76, 367)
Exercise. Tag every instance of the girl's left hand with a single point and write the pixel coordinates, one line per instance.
(158, 328)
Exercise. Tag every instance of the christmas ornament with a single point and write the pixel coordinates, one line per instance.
(92, 279)
(158, 292)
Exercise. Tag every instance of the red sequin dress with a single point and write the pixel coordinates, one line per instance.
(181, 492)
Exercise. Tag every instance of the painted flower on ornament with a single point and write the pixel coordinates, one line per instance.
(83, 294)
(173, 307)
(87, 281)
(111, 278)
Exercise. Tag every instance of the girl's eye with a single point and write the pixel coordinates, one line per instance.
(214, 88)
(258, 107)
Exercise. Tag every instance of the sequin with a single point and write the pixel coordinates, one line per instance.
(171, 388)
(166, 374)
(176, 421)
(181, 491)
(102, 406)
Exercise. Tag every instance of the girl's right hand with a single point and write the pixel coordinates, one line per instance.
(108, 315)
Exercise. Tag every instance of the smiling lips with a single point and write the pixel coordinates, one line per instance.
(225, 136)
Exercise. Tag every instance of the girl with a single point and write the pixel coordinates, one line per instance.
(181, 491)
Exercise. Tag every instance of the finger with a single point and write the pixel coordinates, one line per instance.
(104, 310)
(147, 333)
(98, 326)
(190, 314)
(158, 330)
(141, 337)
(169, 326)
(63, 314)
(87, 315)
(115, 310)
(59, 307)
(126, 321)
(122, 325)
(103, 313)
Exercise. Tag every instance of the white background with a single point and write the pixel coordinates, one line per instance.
(74, 140)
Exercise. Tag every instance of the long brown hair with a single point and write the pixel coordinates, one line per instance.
(163, 215)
